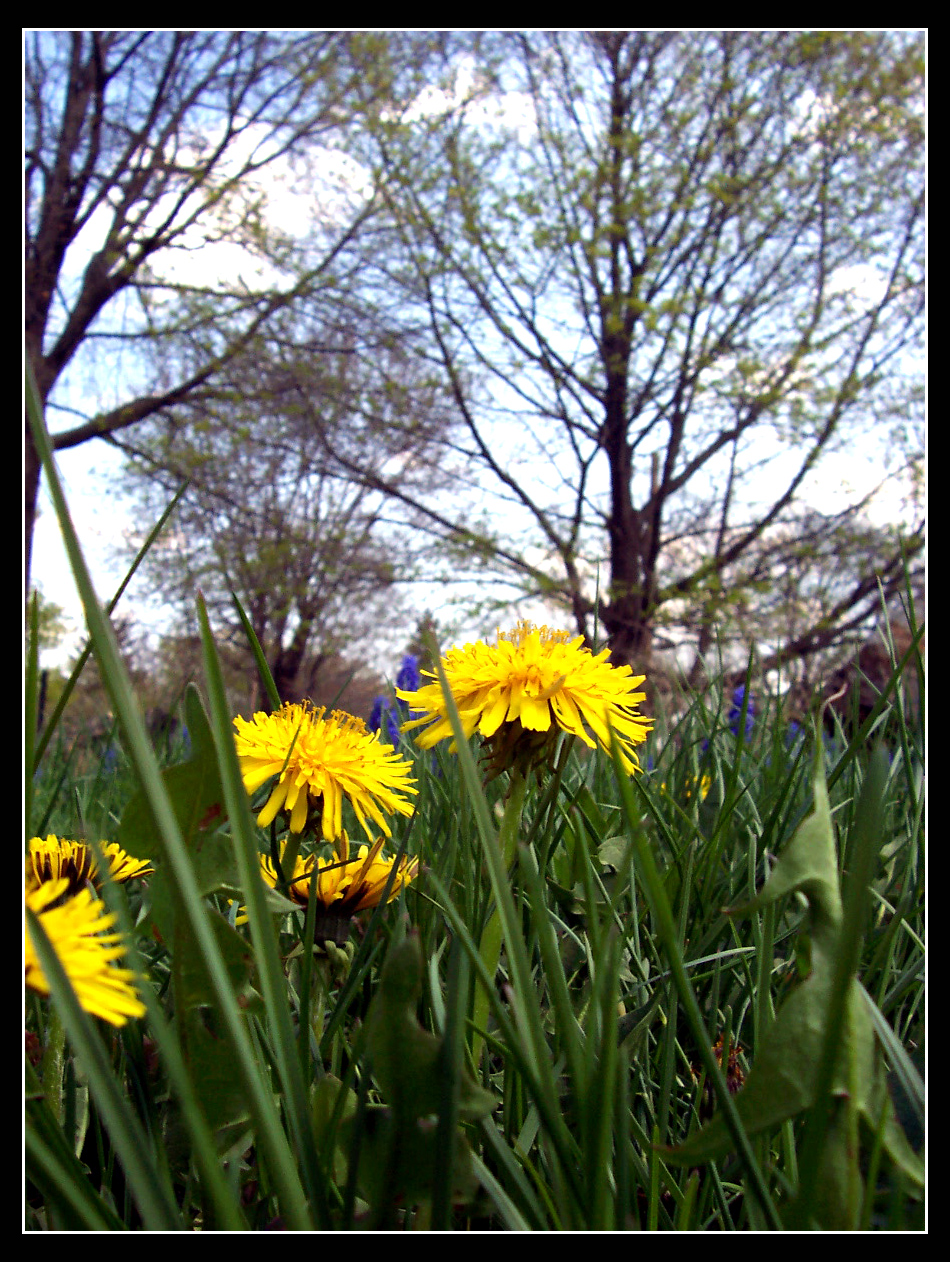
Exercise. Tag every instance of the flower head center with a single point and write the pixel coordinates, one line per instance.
(524, 632)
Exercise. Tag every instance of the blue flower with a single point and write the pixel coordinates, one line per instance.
(735, 713)
(387, 713)
(382, 719)
(408, 678)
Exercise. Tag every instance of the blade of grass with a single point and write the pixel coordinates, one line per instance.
(31, 701)
(668, 933)
(452, 1060)
(55, 1169)
(84, 656)
(267, 679)
(261, 922)
(523, 994)
(547, 1104)
(228, 1213)
(118, 687)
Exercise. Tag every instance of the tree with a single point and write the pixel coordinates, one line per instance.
(308, 552)
(141, 149)
(648, 260)
(52, 625)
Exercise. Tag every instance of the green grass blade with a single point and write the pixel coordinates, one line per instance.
(228, 1214)
(669, 936)
(263, 935)
(30, 708)
(55, 1169)
(68, 1187)
(168, 833)
(267, 679)
(63, 699)
(153, 1196)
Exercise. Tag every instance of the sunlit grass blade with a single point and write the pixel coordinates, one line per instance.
(30, 707)
(264, 938)
(169, 835)
(63, 699)
(267, 679)
(669, 936)
(451, 1068)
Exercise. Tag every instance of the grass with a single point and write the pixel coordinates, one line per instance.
(509, 1045)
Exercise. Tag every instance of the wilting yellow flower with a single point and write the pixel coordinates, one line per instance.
(533, 678)
(75, 860)
(344, 886)
(80, 932)
(321, 758)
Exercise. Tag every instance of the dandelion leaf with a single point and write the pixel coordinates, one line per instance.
(223, 1091)
(192, 976)
(408, 1061)
(809, 865)
(783, 1081)
(399, 1164)
(194, 789)
(329, 1099)
(401, 1151)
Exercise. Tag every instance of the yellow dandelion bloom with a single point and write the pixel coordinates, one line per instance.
(344, 886)
(80, 931)
(540, 680)
(322, 758)
(56, 857)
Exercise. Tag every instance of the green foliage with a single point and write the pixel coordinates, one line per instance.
(824, 1022)
(525, 1039)
(51, 625)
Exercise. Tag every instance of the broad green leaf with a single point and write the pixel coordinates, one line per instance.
(399, 1162)
(809, 865)
(784, 1080)
(408, 1060)
(194, 789)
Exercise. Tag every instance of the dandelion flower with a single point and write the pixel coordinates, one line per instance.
(80, 931)
(531, 683)
(325, 759)
(344, 886)
(75, 860)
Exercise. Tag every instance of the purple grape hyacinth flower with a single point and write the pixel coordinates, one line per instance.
(408, 678)
(735, 713)
(387, 714)
(383, 720)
